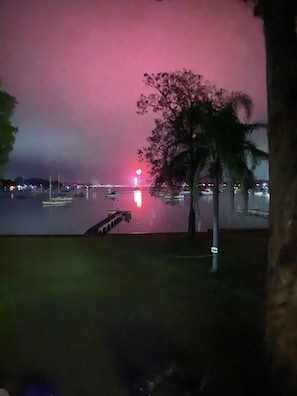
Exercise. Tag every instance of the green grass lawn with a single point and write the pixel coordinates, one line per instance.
(97, 314)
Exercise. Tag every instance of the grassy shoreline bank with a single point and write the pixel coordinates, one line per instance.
(99, 314)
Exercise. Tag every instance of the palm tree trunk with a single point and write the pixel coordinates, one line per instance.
(194, 210)
(192, 215)
(231, 195)
(245, 198)
(215, 229)
(281, 54)
(196, 199)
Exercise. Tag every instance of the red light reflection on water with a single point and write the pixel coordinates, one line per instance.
(138, 198)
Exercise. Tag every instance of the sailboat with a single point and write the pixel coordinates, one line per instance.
(51, 201)
(61, 198)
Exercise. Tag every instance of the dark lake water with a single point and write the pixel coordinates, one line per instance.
(150, 214)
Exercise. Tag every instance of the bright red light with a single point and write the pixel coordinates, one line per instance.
(138, 171)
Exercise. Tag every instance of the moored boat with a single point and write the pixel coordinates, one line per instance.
(206, 191)
(62, 199)
(79, 194)
(175, 197)
(52, 202)
(112, 194)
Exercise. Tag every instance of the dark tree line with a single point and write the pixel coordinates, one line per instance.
(7, 130)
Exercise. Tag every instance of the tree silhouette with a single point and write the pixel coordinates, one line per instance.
(199, 130)
(175, 152)
(7, 130)
(223, 144)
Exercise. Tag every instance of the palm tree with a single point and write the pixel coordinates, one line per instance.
(218, 140)
(228, 147)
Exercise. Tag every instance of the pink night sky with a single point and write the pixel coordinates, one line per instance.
(76, 68)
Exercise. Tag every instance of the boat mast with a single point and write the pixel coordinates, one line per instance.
(50, 189)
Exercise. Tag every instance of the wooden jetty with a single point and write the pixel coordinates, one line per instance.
(105, 225)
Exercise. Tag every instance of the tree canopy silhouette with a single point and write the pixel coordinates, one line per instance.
(199, 128)
(7, 130)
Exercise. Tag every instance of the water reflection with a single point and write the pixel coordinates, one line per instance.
(149, 213)
(138, 198)
(206, 198)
